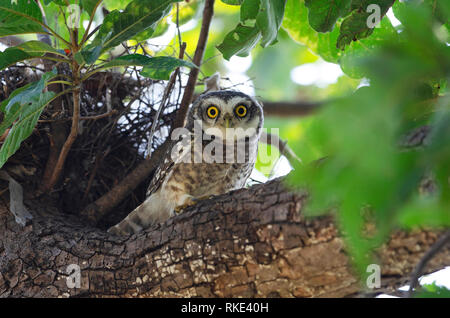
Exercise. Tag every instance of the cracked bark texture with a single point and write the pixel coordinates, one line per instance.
(251, 242)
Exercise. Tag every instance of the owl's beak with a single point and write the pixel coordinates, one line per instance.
(227, 121)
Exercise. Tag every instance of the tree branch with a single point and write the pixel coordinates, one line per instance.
(252, 242)
(281, 145)
(166, 95)
(208, 12)
(96, 210)
(288, 109)
(69, 141)
(434, 249)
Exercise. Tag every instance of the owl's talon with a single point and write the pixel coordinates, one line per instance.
(189, 202)
(206, 197)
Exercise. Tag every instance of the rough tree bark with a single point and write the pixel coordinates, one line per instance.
(252, 242)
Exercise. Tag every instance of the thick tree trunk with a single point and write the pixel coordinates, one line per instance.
(252, 242)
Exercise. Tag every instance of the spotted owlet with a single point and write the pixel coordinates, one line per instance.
(213, 153)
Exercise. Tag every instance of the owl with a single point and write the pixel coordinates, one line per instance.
(214, 153)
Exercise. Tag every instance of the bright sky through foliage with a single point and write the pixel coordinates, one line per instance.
(319, 73)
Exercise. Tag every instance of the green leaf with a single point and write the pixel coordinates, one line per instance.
(23, 108)
(240, 41)
(355, 26)
(326, 46)
(233, 2)
(296, 25)
(90, 5)
(24, 51)
(38, 47)
(187, 11)
(423, 211)
(161, 67)
(111, 5)
(439, 9)
(351, 58)
(58, 2)
(19, 17)
(432, 291)
(160, 29)
(158, 67)
(13, 55)
(138, 16)
(22, 94)
(249, 10)
(259, 20)
(323, 14)
(22, 129)
(269, 20)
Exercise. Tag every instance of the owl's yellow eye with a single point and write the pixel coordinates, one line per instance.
(241, 111)
(212, 112)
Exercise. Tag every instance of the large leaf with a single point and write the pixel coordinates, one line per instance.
(160, 29)
(90, 5)
(138, 16)
(295, 22)
(249, 10)
(355, 26)
(269, 20)
(111, 5)
(19, 17)
(323, 14)
(22, 129)
(352, 56)
(326, 45)
(58, 2)
(259, 20)
(240, 41)
(22, 110)
(21, 97)
(187, 11)
(233, 2)
(158, 67)
(24, 51)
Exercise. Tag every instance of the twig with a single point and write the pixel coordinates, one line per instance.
(98, 159)
(69, 141)
(96, 210)
(94, 117)
(432, 251)
(289, 109)
(86, 32)
(43, 37)
(208, 12)
(281, 145)
(166, 94)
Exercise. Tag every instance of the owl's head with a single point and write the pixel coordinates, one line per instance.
(222, 112)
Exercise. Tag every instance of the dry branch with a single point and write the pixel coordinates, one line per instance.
(96, 210)
(208, 12)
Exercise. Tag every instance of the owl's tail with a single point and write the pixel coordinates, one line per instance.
(151, 211)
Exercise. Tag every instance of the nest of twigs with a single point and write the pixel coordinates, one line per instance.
(117, 111)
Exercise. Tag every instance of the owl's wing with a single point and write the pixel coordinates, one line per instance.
(161, 172)
(175, 153)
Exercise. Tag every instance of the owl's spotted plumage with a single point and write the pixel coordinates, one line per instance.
(208, 159)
